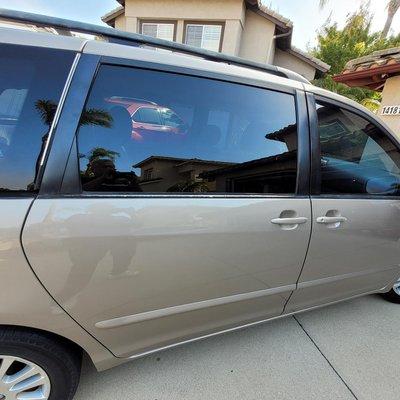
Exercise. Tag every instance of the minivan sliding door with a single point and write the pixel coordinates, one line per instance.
(192, 215)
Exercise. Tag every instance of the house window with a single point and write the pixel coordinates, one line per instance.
(159, 30)
(205, 36)
(148, 174)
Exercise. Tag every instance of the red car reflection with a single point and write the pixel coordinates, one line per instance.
(150, 120)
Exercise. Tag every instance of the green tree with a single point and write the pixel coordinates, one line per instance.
(338, 46)
(100, 152)
(189, 186)
(392, 7)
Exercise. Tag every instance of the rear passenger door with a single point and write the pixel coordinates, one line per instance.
(354, 246)
(157, 241)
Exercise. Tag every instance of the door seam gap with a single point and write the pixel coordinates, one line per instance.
(325, 357)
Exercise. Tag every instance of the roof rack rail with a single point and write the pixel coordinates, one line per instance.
(127, 38)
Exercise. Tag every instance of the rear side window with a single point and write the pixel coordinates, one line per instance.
(175, 133)
(356, 156)
(31, 82)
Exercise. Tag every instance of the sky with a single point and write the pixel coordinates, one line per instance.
(306, 15)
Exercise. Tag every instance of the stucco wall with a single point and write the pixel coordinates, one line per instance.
(120, 22)
(232, 37)
(230, 11)
(286, 60)
(391, 97)
(257, 38)
(184, 9)
(246, 33)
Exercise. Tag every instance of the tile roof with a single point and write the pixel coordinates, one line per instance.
(269, 13)
(375, 60)
(371, 71)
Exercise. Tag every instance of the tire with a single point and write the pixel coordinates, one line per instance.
(58, 362)
(394, 294)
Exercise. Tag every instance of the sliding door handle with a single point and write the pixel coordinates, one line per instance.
(331, 220)
(289, 221)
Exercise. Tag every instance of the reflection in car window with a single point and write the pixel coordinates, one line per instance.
(176, 133)
(31, 82)
(356, 156)
(170, 118)
(147, 116)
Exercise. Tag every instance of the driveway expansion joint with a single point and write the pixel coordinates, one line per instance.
(325, 357)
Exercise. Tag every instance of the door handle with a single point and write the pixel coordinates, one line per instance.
(289, 221)
(331, 220)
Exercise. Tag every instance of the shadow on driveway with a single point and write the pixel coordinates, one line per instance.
(277, 360)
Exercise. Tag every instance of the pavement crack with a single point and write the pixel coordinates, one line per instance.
(326, 359)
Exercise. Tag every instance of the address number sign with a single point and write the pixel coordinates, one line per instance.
(390, 110)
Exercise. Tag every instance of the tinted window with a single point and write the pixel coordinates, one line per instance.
(356, 156)
(147, 116)
(170, 118)
(217, 136)
(31, 82)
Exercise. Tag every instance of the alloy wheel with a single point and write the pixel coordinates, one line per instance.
(396, 287)
(22, 380)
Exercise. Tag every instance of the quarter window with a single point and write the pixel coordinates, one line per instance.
(31, 82)
(205, 36)
(356, 156)
(165, 132)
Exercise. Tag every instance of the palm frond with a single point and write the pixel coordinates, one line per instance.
(100, 152)
(47, 110)
(95, 116)
(323, 3)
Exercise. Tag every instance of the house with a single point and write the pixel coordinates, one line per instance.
(378, 71)
(171, 174)
(243, 28)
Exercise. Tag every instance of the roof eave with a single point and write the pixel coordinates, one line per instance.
(274, 17)
(283, 26)
(372, 78)
(313, 61)
(109, 18)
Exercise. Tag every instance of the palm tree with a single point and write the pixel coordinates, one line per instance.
(91, 116)
(100, 152)
(47, 111)
(392, 8)
(323, 3)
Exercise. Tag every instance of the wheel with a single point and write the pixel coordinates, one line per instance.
(37, 366)
(394, 294)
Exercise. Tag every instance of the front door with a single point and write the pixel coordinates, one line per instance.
(354, 247)
(169, 241)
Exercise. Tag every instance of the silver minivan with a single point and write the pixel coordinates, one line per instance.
(151, 198)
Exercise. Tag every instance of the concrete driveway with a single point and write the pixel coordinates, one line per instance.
(346, 351)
